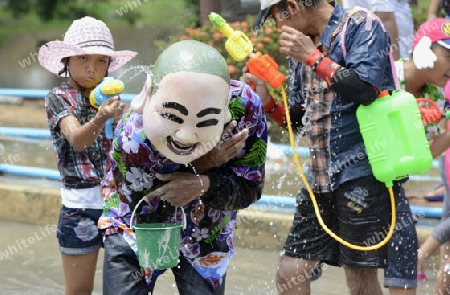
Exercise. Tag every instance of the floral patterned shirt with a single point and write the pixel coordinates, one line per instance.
(207, 240)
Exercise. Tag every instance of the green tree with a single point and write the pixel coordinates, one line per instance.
(48, 10)
(194, 7)
(18, 8)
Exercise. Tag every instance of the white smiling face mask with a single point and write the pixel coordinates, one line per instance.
(184, 103)
(185, 118)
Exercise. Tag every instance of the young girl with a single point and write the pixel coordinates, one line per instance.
(435, 33)
(81, 148)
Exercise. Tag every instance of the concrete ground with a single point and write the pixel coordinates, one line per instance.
(34, 267)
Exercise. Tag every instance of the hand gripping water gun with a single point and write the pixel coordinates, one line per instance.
(240, 47)
(430, 112)
(107, 88)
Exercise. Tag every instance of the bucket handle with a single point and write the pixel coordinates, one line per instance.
(143, 199)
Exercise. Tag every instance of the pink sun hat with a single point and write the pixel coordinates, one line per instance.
(85, 36)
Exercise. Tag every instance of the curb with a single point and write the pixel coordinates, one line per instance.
(256, 228)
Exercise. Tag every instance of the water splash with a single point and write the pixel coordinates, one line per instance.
(199, 178)
(163, 246)
(135, 71)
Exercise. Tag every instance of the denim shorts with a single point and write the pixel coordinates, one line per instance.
(78, 231)
(358, 212)
(403, 246)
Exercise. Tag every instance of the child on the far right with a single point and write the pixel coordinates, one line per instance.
(425, 76)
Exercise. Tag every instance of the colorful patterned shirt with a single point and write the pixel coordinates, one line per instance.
(430, 91)
(78, 170)
(207, 241)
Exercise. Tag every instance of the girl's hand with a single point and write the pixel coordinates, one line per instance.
(112, 108)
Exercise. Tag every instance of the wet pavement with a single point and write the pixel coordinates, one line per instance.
(31, 264)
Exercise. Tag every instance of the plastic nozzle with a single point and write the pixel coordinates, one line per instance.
(111, 86)
(238, 44)
(447, 114)
(216, 20)
(429, 111)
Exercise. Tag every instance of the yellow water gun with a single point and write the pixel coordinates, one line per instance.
(106, 89)
(240, 47)
(237, 44)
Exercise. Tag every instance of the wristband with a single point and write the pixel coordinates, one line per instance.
(313, 57)
(274, 106)
(326, 68)
(317, 62)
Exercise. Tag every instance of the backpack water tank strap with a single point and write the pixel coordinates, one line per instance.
(370, 16)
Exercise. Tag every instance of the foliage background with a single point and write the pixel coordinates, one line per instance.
(19, 16)
(264, 40)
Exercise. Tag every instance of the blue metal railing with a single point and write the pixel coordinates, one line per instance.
(41, 93)
(278, 203)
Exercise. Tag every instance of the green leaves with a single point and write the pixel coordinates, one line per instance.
(256, 155)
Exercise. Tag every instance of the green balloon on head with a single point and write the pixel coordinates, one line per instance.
(189, 56)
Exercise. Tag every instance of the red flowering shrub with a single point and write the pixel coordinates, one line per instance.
(264, 41)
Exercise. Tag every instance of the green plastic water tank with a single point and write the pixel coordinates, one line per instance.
(394, 137)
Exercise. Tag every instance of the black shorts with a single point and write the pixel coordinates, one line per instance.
(359, 212)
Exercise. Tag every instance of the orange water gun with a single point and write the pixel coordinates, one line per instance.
(240, 47)
(430, 112)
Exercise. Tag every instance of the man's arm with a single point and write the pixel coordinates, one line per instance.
(239, 183)
(228, 147)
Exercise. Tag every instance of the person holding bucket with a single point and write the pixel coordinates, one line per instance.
(159, 175)
(77, 129)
